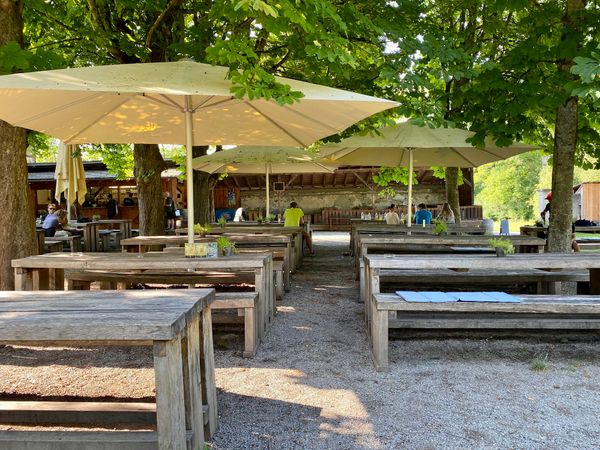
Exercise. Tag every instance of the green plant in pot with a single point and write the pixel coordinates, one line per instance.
(440, 227)
(260, 219)
(202, 230)
(226, 246)
(271, 218)
(96, 217)
(503, 246)
(222, 221)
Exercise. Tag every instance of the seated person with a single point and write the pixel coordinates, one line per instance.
(446, 215)
(50, 221)
(294, 216)
(239, 215)
(391, 216)
(422, 215)
(129, 201)
(63, 225)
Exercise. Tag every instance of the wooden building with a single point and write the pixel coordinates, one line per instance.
(100, 183)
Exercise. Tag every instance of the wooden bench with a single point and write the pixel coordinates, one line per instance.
(544, 281)
(534, 312)
(81, 280)
(246, 304)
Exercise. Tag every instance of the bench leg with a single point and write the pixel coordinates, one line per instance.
(192, 375)
(379, 338)
(279, 284)
(209, 387)
(250, 332)
(170, 402)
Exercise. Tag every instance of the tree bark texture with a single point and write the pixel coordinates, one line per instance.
(565, 141)
(17, 227)
(201, 190)
(452, 191)
(149, 164)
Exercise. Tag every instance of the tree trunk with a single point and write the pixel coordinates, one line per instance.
(201, 190)
(452, 191)
(149, 164)
(17, 226)
(565, 140)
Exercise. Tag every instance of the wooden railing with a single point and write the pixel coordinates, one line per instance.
(336, 219)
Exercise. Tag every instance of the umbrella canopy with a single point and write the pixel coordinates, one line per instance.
(408, 145)
(267, 160)
(69, 174)
(172, 103)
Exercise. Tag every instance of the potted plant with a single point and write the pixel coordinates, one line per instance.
(202, 230)
(440, 227)
(503, 246)
(222, 221)
(260, 219)
(96, 217)
(226, 246)
(271, 218)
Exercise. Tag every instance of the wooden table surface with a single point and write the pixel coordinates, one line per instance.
(90, 231)
(169, 320)
(522, 261)
(402, 243)
(41, 272)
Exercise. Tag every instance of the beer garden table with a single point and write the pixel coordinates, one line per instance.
(41, 272)
(374, 264)
(177, 323)
(262, 241)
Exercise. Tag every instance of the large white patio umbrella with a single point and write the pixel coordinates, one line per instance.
(408, 145)
(70, 175)
(180, 102)
(267, 160)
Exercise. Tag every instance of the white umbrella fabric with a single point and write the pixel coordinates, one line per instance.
(180, 102)
(70, 175)
(267, 160)
(408, 145)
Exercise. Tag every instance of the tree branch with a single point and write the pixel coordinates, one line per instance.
(172, 4)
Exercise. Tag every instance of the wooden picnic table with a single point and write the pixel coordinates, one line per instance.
(392, 243)
(242, 241)
(533, 230)
(533, 312)
(295, 232)
(383, 228)
(47, 271)
(176, 323)
(91, 231)
(374, 264)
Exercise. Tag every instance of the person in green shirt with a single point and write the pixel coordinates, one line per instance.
(294, 216)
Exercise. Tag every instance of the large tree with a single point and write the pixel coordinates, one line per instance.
(17, 227)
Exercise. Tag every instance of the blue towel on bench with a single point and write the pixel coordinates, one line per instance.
(425, 297)
(440, 297)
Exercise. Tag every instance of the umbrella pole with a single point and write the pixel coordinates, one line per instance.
(410, 182)
(268, 167)
(189, 170)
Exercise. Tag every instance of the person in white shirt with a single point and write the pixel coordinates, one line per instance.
(391, 216)
(239, 215)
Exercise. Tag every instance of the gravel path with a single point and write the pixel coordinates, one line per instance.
(312, 384)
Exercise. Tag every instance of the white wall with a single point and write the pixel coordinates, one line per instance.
(314, 200)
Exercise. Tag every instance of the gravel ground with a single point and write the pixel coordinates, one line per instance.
(312, 384)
